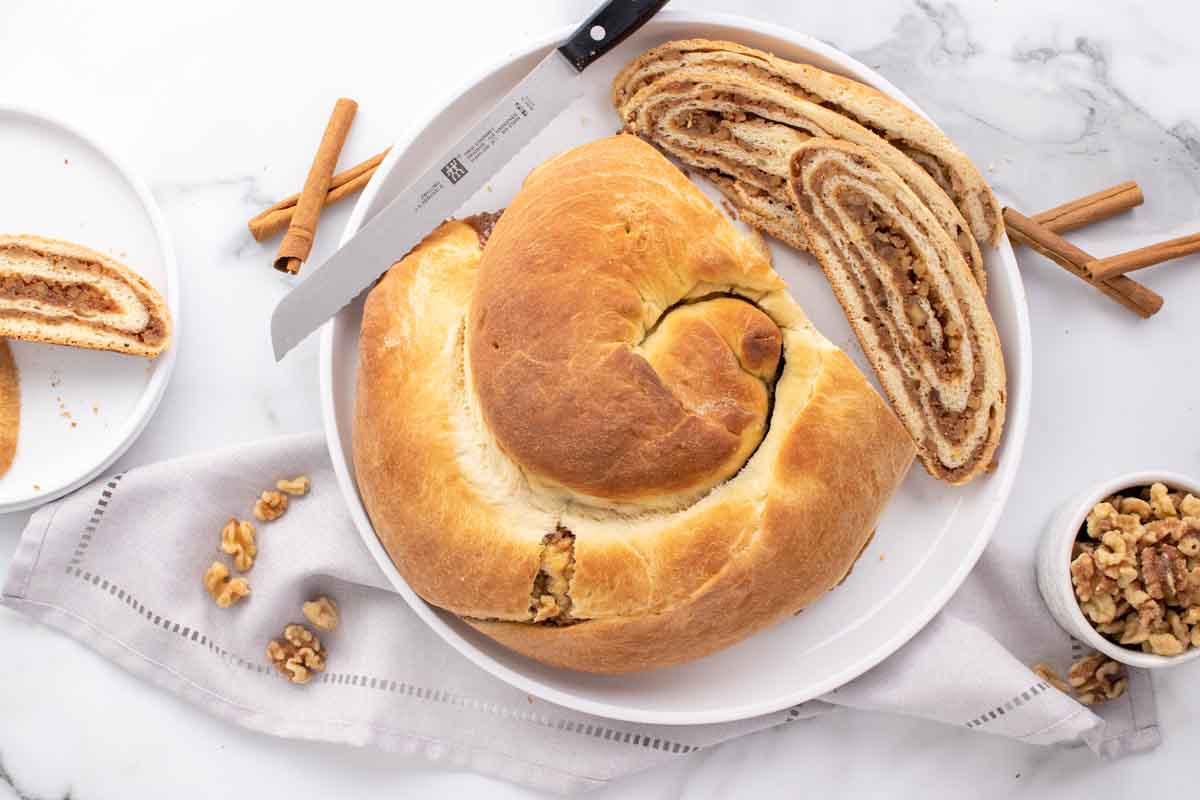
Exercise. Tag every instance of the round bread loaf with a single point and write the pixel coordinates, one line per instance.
(606, 436)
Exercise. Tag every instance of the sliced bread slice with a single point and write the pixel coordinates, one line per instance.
(909, 296)
(63, 293)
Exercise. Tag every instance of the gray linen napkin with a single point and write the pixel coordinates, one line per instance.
(117, 565)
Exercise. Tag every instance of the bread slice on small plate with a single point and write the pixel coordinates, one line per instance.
(63, 293)
(74, 315)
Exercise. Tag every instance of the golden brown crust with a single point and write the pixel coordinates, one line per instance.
(575, 378)
(454, 548)
(819, 513)
(742, 126)
(912, 133)
(87, 314)
(624, 584)
(10, 406)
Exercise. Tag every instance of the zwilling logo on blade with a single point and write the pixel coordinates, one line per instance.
(454, 170)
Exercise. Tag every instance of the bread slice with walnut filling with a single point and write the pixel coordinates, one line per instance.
(63, 293)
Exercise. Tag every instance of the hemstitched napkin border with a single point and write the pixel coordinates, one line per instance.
(159, 522)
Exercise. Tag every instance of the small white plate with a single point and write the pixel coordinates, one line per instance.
(80, 409)
(928, 540)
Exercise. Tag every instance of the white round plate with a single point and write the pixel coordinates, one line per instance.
(927, 541)
(80, 409)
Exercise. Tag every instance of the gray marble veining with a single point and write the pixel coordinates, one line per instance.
(1052, 100)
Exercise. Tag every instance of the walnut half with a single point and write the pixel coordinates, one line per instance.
(299, 655)
(270, 506)
(237, 539)
(224, 590)
(1161, 502)
(322, 613)
(1096, 679)
(1164, 571)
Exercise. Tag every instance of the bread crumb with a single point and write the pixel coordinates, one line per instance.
(64, 412)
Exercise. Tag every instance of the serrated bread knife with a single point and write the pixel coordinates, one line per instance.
(456, 175)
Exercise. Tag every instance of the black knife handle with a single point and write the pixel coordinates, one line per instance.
(613, 22)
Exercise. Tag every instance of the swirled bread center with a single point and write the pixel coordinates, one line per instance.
(658, 417)
(614, 359)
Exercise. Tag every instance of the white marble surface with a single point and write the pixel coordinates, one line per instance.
(209, 105)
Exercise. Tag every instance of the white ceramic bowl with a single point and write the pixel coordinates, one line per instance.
(926, 543)
(1054, 566)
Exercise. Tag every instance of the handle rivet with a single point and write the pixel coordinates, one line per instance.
(597, 33)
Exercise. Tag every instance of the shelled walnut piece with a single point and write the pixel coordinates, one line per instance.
(1095, 679)
(294, 486)
(237, 539)
(1136, 569)
(1091, 679)
(1047, 673)
(270, 506)
(225, 590)
(299, 655)
(322, 613)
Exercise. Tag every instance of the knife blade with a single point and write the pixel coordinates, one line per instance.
(456, 175)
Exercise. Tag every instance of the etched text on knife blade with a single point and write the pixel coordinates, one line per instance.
(455, 170)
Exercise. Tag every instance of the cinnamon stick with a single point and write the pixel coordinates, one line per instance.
(297, 242)
(271, 221)
(1105, 268)
(1091, 208)
(1127, 292)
